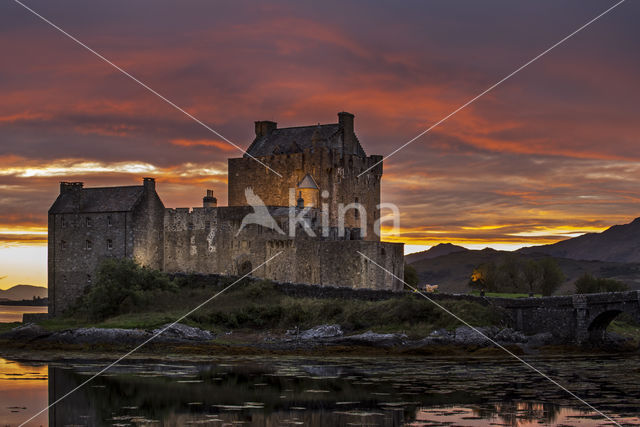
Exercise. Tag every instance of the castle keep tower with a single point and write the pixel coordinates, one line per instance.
(328, 157)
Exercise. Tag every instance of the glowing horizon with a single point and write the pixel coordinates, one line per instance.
(549, 155)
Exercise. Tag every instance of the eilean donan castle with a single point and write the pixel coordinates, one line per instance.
(316, 217)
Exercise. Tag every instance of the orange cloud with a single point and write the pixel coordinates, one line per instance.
(221, 145)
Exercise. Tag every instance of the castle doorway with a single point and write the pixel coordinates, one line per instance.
(245, 268)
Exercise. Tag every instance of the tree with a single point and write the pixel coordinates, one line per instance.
(552, 276)
(588, 284)
(410, 276)
(483, 276)
(517, 274)
(122, 286)
(533, 273)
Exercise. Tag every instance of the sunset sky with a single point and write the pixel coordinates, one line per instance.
(549, 154)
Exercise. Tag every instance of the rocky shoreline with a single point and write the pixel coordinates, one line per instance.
(321, 339)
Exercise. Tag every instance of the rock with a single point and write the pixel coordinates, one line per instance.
(27, 332)
(374, 339)
(437, 337)
(181, 332)
(441, 333)
(177, 332)
(320, 332)
(464, 335)
(510, 336)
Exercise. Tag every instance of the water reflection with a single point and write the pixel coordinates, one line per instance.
(339, 391)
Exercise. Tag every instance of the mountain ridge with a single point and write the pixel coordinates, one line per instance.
(22, 292)
(434, 252)
(618, 243)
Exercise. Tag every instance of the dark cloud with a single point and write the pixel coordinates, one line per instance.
(553, 148)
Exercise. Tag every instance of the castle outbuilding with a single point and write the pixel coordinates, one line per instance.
(315, 219)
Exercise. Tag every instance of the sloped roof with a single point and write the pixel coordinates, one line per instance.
(99, 199)
(295, 140)
(308, 182)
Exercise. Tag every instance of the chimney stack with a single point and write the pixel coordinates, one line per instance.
(265, 127)
(70, 186)
(345, 120)
(149, 184)
(209, 201)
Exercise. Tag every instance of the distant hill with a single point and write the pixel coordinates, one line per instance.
(451, 272)
(434, 252)
(21, 292)
(620, 243)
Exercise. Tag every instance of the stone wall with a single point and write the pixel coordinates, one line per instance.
(209, 240)
(72, 263)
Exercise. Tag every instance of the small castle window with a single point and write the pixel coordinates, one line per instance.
(64, 278)
(109, 244)
(63, 222)
(88, 220)
(88, 245)
(63, 245)
(89, 278)
(109, 223)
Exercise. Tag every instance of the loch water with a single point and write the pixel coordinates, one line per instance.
(327, 391)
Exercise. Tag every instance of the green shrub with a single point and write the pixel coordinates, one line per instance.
(588, 284)
(122, 286)
(410, 276)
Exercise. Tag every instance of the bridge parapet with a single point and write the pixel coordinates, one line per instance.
(575, 318)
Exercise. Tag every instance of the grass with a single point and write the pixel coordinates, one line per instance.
(627, 327)
(503, 295)
(8, 326)
(258, 306)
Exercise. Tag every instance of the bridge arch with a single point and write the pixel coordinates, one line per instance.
(579, 318)
(598, 326)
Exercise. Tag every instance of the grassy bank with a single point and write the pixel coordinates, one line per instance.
(259, 306)
(625, 326)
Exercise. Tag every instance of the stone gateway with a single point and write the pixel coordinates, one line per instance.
(315, 218)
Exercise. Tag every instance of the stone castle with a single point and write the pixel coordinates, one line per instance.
(321, 212)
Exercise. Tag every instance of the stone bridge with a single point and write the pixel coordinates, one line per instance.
(575, 318)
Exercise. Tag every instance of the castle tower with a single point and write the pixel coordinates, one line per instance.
(308, 190)
(311, 160)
